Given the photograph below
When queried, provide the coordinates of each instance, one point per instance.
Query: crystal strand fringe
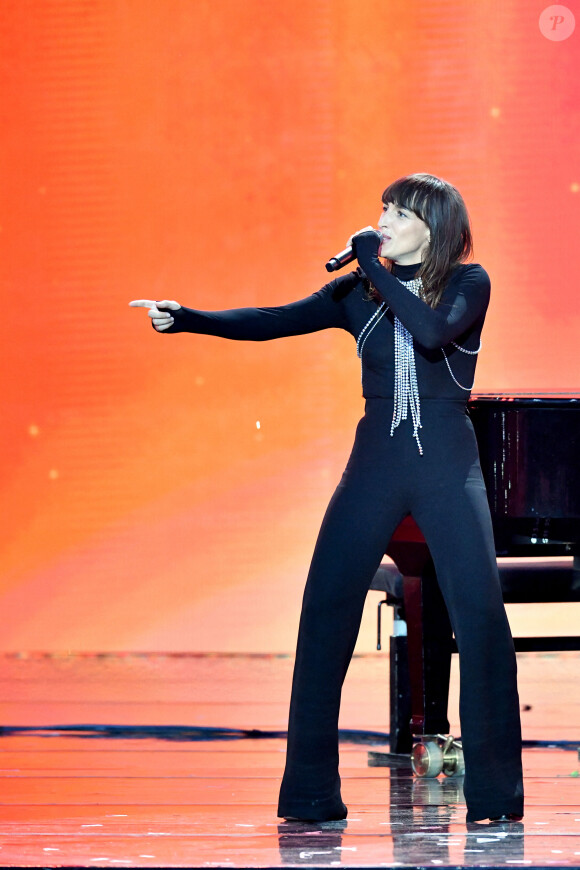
(406, 394)
(406, 387)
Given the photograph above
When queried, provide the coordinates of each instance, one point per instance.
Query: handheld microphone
(348, 255)
(341, 259)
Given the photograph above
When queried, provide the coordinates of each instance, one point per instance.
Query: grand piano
(530, 457)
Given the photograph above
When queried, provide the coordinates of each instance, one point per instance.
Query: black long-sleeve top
(344, 303)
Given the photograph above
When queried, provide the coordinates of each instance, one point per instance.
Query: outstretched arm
(431, 327)
(321, 310)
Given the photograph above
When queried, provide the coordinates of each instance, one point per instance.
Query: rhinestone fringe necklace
(406, 387)
(406, 393)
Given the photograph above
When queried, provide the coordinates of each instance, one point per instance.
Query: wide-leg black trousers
(385, 479)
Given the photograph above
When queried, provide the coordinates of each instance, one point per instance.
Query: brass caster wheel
(427, 758)
(453, 762)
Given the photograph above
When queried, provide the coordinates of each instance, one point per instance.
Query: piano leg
(420, 663)
(401, 739)
(437, 643)
(414, 613)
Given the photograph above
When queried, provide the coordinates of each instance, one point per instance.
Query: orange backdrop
(216, 153)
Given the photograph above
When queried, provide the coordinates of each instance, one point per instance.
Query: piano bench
(522, 582)
(432, 644)
(389, 580)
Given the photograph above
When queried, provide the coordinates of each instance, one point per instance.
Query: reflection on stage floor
(175, 761)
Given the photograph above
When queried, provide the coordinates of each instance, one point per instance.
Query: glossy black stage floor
(136, 761)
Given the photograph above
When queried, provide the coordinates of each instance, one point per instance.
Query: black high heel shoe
(507, 817)
(310, 815)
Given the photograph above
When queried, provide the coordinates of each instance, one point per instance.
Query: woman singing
(417, 322)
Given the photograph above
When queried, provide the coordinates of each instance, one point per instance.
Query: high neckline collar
(405, 273)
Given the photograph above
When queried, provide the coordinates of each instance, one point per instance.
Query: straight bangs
(407, 193)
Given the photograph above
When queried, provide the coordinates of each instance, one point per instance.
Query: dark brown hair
(440, 205)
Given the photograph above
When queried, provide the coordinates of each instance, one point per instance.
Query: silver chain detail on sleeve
(463, 350)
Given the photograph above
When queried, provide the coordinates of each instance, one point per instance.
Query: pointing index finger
(143, 303)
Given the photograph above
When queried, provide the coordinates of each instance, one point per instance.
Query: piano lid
(521, 398)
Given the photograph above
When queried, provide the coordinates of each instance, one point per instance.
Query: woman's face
(406, 235)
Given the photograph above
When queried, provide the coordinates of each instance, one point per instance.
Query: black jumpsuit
(386, 478)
